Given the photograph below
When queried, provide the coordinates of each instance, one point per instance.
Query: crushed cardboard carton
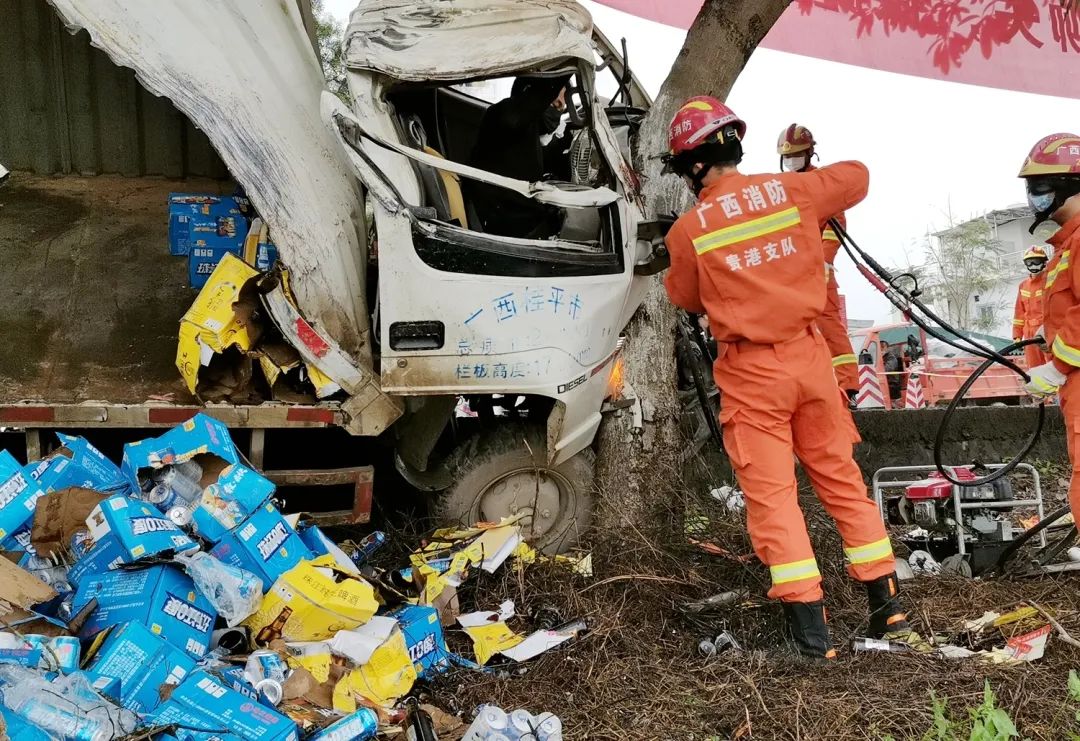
(203, 702)
(222, 317)
(311, 602)
(59, 516)
(163, 598)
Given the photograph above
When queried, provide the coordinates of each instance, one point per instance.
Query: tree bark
(631, 470)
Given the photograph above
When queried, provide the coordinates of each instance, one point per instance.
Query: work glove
(1045, 380)
(1039, 336)
(852, 399)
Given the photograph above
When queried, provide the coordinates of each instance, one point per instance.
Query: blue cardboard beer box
(204, 701)
(236, 495)
(320, 545)
(204, 259)
(19, 494)
(20, 541)
(231, 491)
(105, 555)
(233, 677)
(139, 528)
(78, 463)
(264, 544)
(162, 598)
(142, 661)
(424, 638)
(202, 439)
(186, 209)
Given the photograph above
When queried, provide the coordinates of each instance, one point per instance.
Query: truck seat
(442, 188)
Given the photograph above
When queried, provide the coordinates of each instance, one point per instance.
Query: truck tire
(495, 475)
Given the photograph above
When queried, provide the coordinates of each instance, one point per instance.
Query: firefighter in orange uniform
(796, 148)
(1052, 176)
(749, 255)
(1028, 315)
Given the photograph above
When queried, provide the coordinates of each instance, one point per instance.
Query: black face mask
(1035, 266)
(552, 119)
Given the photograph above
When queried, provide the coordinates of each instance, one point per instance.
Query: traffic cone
(870, 396)
(913, 396)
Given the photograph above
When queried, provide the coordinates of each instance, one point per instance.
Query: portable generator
(965, 528)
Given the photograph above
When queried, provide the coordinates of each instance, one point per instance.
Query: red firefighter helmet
(793, 139)
(1057, 154)
(700, 120)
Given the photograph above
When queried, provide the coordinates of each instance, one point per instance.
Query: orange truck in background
(941, 368)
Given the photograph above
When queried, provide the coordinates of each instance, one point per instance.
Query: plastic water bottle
(490, 721)
(549, 727)
(234, 592)
(521, 725)
(58, 721)
(185, 488)
(189, 470)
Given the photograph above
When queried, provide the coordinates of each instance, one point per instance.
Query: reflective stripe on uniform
(759, 227)
(875, 551)
(1038, 292)
(1062, 265)
(794, 571)
(844, 359)
(1067, 353)
(1018, 322)
(829, 235)
(1025, 294)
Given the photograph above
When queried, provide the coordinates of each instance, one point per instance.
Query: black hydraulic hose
(906, 302)
(939, 441)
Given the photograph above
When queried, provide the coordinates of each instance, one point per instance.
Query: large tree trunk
(631, 470)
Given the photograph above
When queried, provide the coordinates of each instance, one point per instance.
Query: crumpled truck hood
(463, 39)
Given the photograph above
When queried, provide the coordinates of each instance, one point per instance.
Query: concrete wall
(986, 434)
(65, 108)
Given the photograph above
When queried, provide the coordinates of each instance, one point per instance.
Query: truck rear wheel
(504, 472)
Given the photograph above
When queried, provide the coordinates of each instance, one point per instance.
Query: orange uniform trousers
(776, 399)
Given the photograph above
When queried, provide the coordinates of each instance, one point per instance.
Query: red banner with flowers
(1027, 45)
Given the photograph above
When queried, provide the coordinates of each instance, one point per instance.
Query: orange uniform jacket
(1028, 315)
(773, 285)
(750, 256)
(1061, 329)
(1061, 325)
(831, 323)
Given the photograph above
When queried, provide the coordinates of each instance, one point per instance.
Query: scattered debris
(202, 606)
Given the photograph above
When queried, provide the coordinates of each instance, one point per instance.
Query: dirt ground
(638, 673)
(90, 300)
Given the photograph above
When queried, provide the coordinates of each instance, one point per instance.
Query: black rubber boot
(807, 630)
(886, 617)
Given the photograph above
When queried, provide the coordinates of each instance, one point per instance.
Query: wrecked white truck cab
(439, 297)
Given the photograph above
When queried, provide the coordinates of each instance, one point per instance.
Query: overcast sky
(929, 144)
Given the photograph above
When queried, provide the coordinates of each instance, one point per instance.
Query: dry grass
(638, 674)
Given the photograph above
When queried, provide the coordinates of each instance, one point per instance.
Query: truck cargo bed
(90, 299)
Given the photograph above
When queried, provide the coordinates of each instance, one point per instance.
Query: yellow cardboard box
(311, 602)
(219, 318)
(387, 676)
